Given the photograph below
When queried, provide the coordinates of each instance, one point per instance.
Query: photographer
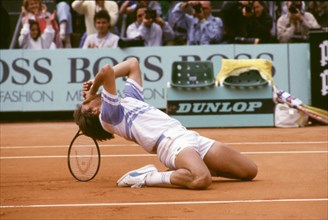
(295, 25)
(202, 27)
(255, 23)
(149, 30)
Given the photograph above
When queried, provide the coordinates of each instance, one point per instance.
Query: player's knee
(250, 173)
(201, 181)
(107, 68)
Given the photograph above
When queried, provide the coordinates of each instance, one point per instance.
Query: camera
(246, 40)
(151, 14)
(293, 9)
(128, 42)
(197, 8)
(249, 8)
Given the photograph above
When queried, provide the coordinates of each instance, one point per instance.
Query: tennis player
(192, 159)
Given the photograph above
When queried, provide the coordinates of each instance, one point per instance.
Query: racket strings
(84, 158)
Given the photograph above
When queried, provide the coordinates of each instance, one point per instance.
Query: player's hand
(89, 96)
(86, 87)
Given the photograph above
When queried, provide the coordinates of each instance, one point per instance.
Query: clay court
(292, 182)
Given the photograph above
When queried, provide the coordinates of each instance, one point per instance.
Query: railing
(16, 33)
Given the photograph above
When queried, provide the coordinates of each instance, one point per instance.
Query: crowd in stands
(125, 23)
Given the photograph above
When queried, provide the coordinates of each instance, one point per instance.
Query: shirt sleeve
(112, 112)
(133, 90)
(24, 36)
(212, 31)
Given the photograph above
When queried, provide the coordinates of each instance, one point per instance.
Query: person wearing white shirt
(192, 159)
(31, 36)
(90, 8)
(146, 28)
(103, 38)
(133, 30)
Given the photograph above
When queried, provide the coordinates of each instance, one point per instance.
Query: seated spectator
(129, 7)
(178, 23)
(233, 20)
(89, 9)
(257, 24)
(319, 9)
(64, 18)
(146, 26)
(150, 31)
(284, 7)
(133, 30)
(103, 38)
(37, 11)
(31, 36)
(168, 33)
(203, 28)
(295, 25)
(212, 30)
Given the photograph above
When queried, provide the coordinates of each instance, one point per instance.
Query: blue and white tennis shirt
(132, 118)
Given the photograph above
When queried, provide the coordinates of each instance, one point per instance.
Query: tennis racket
(315, 113)
(83, 157)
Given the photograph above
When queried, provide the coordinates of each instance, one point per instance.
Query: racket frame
(79, 133)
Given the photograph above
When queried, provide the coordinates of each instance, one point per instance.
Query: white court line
(154, 155)
(134, 145)
(165, 203)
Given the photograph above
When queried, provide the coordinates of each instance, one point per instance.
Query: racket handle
(288, 98)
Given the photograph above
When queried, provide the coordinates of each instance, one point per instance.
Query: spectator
(168, 33)
(233, 19)
(319, 9)
(128, 11)
(103, 38)
(179, 23)
(203, 28)
(5, 30)
(257, 24)
(126, 16)
(131, 6)
(285, 7)
(64, 18)
(150, 31)
(133, 31)
(295, 25)
(36, 10)
(31, 36)
(89, 9)
(142, 28)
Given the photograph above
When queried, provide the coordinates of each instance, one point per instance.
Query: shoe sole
(137, 170)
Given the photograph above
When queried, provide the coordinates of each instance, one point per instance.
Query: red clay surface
(35, 182)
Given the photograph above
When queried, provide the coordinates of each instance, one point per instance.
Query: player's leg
(191, 171)
(227, 162)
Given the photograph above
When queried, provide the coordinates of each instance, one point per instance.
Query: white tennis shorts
(177, 139)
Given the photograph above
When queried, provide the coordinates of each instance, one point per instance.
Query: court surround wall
(50, 80)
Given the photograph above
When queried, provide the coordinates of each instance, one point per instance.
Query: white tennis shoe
(136, 178)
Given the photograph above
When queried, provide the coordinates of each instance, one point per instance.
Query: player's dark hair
(90, 124)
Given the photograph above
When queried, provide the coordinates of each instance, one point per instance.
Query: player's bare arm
(107, 75)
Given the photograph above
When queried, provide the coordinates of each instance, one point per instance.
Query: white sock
(157, 178)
